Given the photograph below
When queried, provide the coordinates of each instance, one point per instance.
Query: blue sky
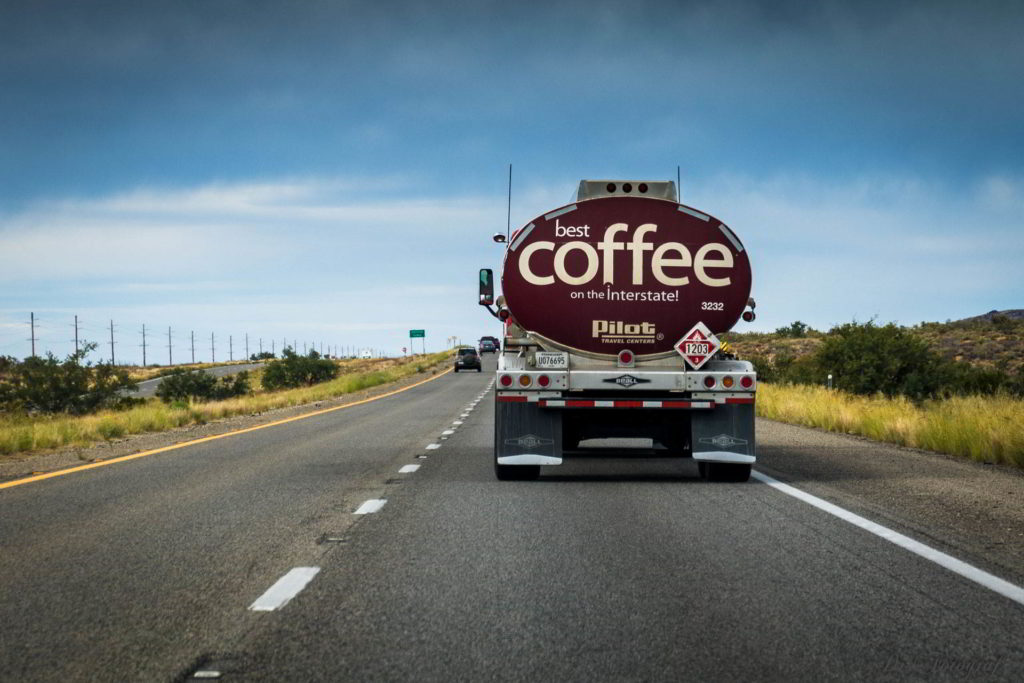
(331, 172)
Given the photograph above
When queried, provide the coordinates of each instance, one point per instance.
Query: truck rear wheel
(516, 472)
(723, 471)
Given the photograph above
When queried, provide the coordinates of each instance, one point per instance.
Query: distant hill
(1012, 314)
(994, 339)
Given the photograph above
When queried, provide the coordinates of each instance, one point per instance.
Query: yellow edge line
(185, 444)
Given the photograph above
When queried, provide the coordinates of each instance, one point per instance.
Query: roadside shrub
(49, 385)
(294, 370)
(865, 358)
(795, 329)
(263, 355)
(181, 386)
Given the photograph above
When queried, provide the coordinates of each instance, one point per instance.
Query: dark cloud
(99, 95)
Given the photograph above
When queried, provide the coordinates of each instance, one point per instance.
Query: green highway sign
(417, 333)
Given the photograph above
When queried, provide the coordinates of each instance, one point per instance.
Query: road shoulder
(968, 509)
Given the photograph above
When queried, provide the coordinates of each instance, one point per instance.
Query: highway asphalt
(612, 568)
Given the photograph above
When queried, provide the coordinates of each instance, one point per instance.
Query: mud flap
(724, 434)
(526, 434)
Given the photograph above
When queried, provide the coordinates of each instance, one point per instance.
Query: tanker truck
(611, 306)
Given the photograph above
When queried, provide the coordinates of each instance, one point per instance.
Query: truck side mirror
(486, 287)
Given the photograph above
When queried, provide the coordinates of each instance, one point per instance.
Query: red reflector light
(625, 357)
(747, 382)
(543, 380)
(524, 380)
(727, 382)
(506, 380)
(709, 381)
(504, 314)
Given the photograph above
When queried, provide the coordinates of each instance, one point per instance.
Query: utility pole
(321, 348)
(76, 335)
(193, 347)
(261, 346)
(247, 346)
(169, 361)
(143, 344)
(231, 349)
(213, 350)
(32, 325)
(111, 342)
(273, 351)
(303, 348)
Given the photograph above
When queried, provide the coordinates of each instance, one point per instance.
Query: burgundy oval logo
(606, 274)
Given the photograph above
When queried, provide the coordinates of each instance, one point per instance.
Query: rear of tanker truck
(612, 306)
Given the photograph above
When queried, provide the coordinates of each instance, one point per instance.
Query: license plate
(551, 360)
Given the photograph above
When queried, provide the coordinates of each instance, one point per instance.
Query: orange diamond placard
(698, 345)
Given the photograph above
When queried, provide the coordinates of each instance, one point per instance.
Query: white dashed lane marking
(370, 506)
(408, 469)
(286, 588)
(433, 446)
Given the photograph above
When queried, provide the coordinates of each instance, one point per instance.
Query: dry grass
(983, 428)
(19, 434)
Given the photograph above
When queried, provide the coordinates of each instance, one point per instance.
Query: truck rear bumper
(529, 459)
(724, 456)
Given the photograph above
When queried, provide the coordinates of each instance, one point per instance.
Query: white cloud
(899, 248)
(223, 230)
(346, 262)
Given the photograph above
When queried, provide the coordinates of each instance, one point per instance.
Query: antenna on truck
(679, 194)
(508, 216)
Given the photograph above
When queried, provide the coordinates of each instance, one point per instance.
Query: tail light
(506, 380)
(727, 382)
(709, 382)
(747, 382)
(504, 314)
(524, 380)
(543, 380)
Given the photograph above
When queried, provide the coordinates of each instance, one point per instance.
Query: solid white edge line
(370, 506)
(284, 589)
(967, 571)
(408, 469)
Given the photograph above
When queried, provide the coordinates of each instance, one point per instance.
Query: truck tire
(723, 471)
(479, 369)
(516, 472)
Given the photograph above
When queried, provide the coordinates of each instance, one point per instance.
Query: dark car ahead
(467, 359)
(494, 341)
(486, 346)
